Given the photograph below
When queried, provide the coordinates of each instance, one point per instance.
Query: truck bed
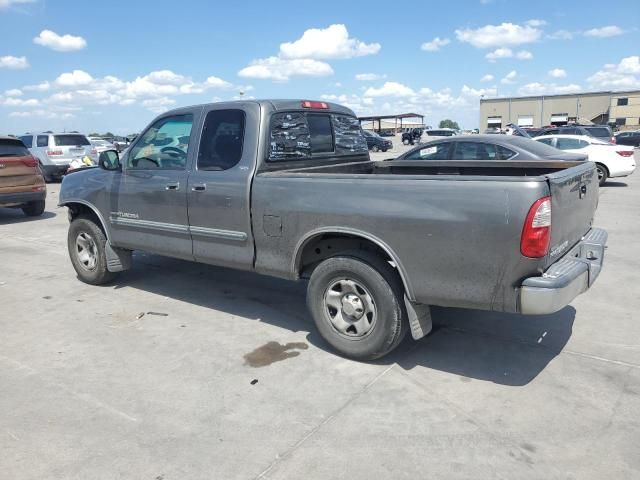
(416, 168)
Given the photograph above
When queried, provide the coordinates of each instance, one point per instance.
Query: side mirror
(109, 160)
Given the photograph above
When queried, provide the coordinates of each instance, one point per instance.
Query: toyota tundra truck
(286, 188)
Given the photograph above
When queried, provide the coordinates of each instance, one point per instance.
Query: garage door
(525, 121)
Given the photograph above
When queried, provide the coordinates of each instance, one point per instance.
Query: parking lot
(186, 371)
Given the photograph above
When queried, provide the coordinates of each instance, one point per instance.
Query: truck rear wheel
(86, 243)
(356, 300)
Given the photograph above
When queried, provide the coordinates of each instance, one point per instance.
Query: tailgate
(574, 198)
(14, 173)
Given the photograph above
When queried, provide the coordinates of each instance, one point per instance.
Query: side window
(27, 140)
(222, 138)
(439, 151)
(570, 131)
(568, 144)
(348, 135)
(546, 141)
(504, 153)
(583, 144)
(43, 140)
(474, 151)
(165, 145)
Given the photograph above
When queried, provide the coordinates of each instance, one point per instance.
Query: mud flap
(419, 318)
(118, 259)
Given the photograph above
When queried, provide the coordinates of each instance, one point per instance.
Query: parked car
(601, 132)
(411, 136)
(376, 143)
(55, 151)
(628, 138)
(486, 148)
(286, 188)
(611, 160)
(101, 145)
(440, 132)
(493, 131)
(21, 182)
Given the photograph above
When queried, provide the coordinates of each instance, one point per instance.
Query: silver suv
(55, 151)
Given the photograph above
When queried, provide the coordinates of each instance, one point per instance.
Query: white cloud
(368, 77)
(74, 79)
(14, 92)
(537, 88)
(327, 43)
(536, 22)
(48, 114)
(487, 78)
(524, 55)
(509, 78)
(389, 89)
(40, 87)
(479, 92)
(5, 4)
(60, 43)
(503, 35)
(19, 102)
(560, 35)
(498, 54)
(158, 105)
(279, 69)
(625, 74)
(13, 63)
(604, 32)
(557, 73)
(435, 44)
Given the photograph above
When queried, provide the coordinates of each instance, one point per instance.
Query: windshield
(13, 148)
(599, 131)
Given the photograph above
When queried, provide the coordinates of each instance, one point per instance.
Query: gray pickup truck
(286, 188)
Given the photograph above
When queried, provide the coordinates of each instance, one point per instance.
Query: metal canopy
(378, 118)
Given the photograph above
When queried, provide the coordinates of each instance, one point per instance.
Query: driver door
(149, 206)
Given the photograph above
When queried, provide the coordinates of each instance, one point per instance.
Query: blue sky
(114, 66)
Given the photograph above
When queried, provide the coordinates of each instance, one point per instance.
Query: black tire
(93, 273)
(375, 148)
(47, 178)
(405, 141)
(381, 283)
(34, 209)
(384, 150)
(603, 173)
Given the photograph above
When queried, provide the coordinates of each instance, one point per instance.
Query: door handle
(172, 186)
(199, 187)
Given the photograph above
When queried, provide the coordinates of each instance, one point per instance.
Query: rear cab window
(306, 135)
(70, 140)
(13, 148)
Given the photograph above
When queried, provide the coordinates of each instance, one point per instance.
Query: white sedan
(611, 160)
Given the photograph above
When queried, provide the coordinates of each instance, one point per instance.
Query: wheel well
(603, 166)
(327, 245)
(80, 209)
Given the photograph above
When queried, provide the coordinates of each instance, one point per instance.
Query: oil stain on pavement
(272, 352)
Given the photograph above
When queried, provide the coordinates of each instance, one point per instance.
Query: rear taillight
(625, 153)
(311, 104)
(53, 153)
(536, 233)
(30, 162)
(94, 151)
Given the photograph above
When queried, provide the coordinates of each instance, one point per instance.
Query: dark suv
(601, 132)
(411, 136)
(376, 143)
(628, 138)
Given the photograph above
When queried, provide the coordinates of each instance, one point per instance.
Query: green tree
(446, 123)
(94, 134)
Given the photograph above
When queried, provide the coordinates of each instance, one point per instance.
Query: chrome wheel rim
(350, 308)
(600, 172)
(86, 251)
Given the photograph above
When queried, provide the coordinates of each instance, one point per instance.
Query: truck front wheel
(356, 300)
(86, 243)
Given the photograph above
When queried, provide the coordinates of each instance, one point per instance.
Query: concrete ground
(184, 371)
